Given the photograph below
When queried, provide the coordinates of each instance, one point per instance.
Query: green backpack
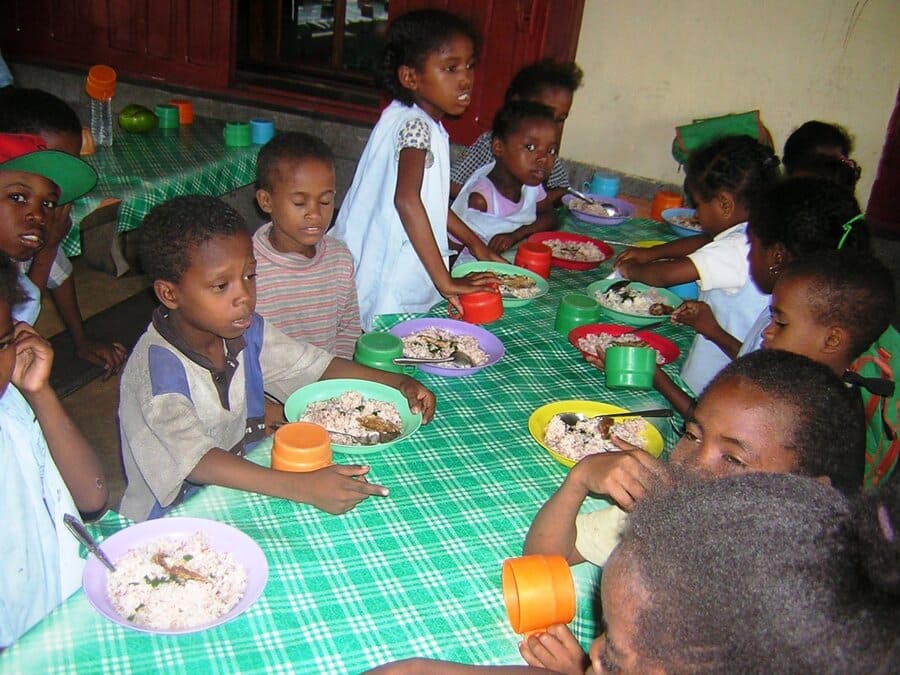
(698, 133)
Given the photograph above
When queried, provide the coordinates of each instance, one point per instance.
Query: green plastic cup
(236, 134)
(630, 367)
(378, 350)
(168, 116)
(576, 309)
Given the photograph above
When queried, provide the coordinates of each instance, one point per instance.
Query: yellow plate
(540, 418)
(648, 243)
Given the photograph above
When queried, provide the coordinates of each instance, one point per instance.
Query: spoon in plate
(82, 535)
(612, 211)
(571, 419)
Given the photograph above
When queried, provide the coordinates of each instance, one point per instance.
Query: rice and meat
(598, 343)
(518, 285)
(639, 303)
(578, 251)
(437, 343)
(175, 583)
(591, 436)
(687, 222)
(589, 208)
(352, 413)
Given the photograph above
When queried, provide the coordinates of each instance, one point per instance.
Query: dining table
(415, 573)
(141, 170)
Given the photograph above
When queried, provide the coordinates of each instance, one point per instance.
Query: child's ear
(836, 340)
(407, 77)
(264, 199)
(167, 292)
(497, 147)
(726, 203)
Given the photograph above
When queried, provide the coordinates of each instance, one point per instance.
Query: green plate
(599, 288)
(296, 405)
(500, 268)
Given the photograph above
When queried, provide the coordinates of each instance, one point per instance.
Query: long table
(415, 573)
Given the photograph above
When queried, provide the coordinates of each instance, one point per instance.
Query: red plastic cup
(185, 110)
(662, 200)
(301, 447)
(479, 307)
(536, 257)
(538, 591)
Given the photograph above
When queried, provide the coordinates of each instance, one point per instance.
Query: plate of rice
(524, 284)
(568, 446)
(596, 338)
(636, 304)
(682, 221)
(348, 405)
(574, 251)
(434, 338)
(593, 213)
(176, 575)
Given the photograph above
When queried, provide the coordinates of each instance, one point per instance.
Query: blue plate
(671, 216)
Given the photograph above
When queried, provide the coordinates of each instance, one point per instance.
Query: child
(48, 470)
(395, 218)
(546, 82)
(304, 282)
(192, 394)
(767, 411)
(32, 111)
(821, 149)
(499, 201)
(723, 179)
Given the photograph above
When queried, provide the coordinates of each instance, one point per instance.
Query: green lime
(137, 119)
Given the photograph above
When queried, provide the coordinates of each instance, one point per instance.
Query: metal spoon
(82, 535)
(571, 419)
(612, 211)
(457, 358)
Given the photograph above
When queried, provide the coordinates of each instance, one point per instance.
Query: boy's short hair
(850, 289)
(32, 111)
(545, 74)
(293, 146)
(514, 113)
(829, 430)
(171, 232)
(10, 289)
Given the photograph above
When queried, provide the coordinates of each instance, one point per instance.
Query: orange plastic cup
(536, 257)
(662, 200)
(479, 307)
(185, 110)
(538, 591)
(300, 447)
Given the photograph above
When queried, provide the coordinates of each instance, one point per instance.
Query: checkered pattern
(144, 170)
(416, 573)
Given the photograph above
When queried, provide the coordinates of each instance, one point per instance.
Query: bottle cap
(101, 83)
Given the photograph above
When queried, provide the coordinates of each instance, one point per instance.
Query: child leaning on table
(47, 468)
(37, 112)
(395, 218)
(192, 393)
(304, 282)
(499, 201)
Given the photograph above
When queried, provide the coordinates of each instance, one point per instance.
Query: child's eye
(300, 204)
(325, 202)
(251, 276)
(553, 151)
(529, 147)
(5, 344)
(691, 436)
(736, 461)
(49, 204)
(220, 287)
(18, 197)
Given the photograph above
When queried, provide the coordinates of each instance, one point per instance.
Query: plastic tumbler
(576, 309)
(185, 110)
(535, 257)
(300, 447)
(662, 200)
(261, 131)
(538, 591)
(603, 185)
(168, 116)
(629, 367)
(237, 134)
(479, 307)
(378, 350)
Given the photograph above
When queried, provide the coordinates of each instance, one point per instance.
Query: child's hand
(502, 242)
(624, 476)
(109, 356)
(57, 225)
(474, 281)
(556, 650)
(34, 357)
(698, 315)
(635, 255)
(420, 398)
(337, 488)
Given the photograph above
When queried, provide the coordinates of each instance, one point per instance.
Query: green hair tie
(848, 227)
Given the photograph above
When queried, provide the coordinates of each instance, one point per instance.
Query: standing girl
(395, 218)
(723, 179)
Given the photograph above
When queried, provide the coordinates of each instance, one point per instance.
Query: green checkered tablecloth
(144, 170)
(415, 573)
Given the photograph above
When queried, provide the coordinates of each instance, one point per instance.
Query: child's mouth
(243, 324)
(464, 98)
(32, 240)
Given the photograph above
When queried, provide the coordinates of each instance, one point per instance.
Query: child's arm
(681, 402)
(659, 273)
(545, 221)
(77, 463)
(699, 316)
(673, 249)
(419, 666)
(472, 241)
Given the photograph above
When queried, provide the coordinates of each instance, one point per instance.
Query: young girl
(723, 179)
(499, 201)
(395, 217)
(546, 82)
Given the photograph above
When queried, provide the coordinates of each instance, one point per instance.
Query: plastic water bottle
(100, 87)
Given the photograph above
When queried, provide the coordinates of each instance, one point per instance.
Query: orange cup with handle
(662, 200)
(301, 447)
(538, 591)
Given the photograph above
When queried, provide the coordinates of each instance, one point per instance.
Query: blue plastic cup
(261, 131)
(603, 185)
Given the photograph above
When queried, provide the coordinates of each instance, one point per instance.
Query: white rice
(598, 343)
(687, 222)
(579, 251)
(585, 439)
(518, 285)
(589, 208)
(343, 414)
(630, 301)
(145, 593)
(437, 343)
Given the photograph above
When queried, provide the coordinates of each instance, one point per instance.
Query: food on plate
(598, 343)
(590, 208)
(437, 343)
(631, 301)
(579, 251)
(175, 583)
(518, 285)
(352, 413)
(592, 436)
(687, 222)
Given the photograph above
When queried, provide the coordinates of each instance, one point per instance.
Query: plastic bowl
(580, 265)
(501, 268)
(626, 209)
(489, 342)
(669, 215)
(599, 288)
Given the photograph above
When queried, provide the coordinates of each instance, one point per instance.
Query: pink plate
(666, 348)
(605, 249)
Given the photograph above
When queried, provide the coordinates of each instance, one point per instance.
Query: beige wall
(653, 64)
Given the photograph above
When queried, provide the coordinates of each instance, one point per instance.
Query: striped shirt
(310, 299)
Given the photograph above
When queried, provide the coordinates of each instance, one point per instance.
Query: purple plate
(489, 342)
(221, 537)
(625, 208)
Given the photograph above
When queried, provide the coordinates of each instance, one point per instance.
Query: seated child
(192, 392)
(304, 282)
(546, 82)
(767, 411)
(723, 180)
(499, 201)
(48, 470)
(821, 149)
(32, 111)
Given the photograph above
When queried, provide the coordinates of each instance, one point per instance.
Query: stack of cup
(301, 447)
(535, 257)
(538, 591)
(576, 309)
(378, 350)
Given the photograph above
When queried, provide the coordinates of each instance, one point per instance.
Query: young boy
(304, 282)
(32, 111)
(47, 469)
(192, 392)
